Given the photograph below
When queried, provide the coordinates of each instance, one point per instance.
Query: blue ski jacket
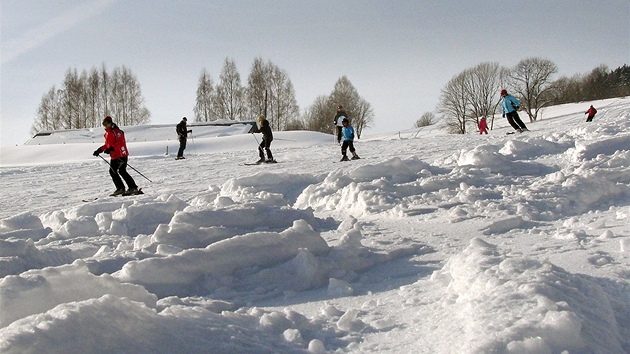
(509, 104)
(348, 133)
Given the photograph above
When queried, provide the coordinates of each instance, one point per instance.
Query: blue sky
(398, 54)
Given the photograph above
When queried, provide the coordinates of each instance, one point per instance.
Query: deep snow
(431, 243)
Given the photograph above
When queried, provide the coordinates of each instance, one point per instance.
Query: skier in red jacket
(116, 146)
(483, 126)
(591, 113)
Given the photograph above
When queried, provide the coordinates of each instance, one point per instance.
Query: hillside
(430, 243)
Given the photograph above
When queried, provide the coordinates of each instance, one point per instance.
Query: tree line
(85, 99)
(474, 93)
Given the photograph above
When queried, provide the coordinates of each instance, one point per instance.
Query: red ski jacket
(591, 111)
(483, 125)
(115, 138)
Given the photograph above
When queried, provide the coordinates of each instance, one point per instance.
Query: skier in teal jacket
(509, 107)
(348, 140)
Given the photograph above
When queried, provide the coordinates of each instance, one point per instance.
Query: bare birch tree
(531, 80)
(229, 98)
(49, 112)
(204, 111)
(345, 94)
(317, 117)
(483, 84)
(453, 104)
(364, 116)
(282, 103)
(257, 86)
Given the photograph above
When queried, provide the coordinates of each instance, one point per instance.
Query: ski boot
(344, 158)
(118, 192)
(355, 157)
(130, 191)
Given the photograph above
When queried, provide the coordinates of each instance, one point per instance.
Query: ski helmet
(107, 120)
(345, 120)
(503, 92)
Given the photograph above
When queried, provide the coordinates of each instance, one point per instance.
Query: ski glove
(109, 149)
(190, 131)
(97, 152)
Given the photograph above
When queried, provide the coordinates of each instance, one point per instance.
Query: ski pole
(139, 172)
(193, 141)
(256, 139)
(110, 167)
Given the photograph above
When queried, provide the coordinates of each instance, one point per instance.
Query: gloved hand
(190, 130)
(503, 115)
(97, 152)
(109, 150)
(517, 107)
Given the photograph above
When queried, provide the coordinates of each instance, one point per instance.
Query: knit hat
(503, 92)
(107, 120)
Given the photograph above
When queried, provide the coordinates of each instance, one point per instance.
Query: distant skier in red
(116, 146)
(483, 126)
(591, 113)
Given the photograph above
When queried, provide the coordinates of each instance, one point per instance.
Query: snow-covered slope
(431, 243)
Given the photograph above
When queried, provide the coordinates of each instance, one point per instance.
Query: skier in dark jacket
(339, 116)
(116, 146)
(182, 135)
(591, 113)
(510, 106)
(265, 144)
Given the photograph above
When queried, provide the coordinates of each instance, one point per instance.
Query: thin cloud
(35, 37)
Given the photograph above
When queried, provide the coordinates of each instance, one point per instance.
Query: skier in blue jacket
(348, 140)
(509, 107)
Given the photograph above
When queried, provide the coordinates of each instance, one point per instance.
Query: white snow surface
(431, 243)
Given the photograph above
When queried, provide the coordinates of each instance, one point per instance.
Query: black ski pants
(265, 147)
(118, 169)
(515, 121)
(345, 145)
(182, 146)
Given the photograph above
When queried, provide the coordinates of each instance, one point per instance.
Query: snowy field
(431, 243)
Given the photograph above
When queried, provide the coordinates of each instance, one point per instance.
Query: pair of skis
(138, 192)
(260, 163)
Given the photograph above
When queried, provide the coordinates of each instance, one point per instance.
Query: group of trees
(83, 100)
(598, 84)
(320, 115)
(474, 93)
(269, 92)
